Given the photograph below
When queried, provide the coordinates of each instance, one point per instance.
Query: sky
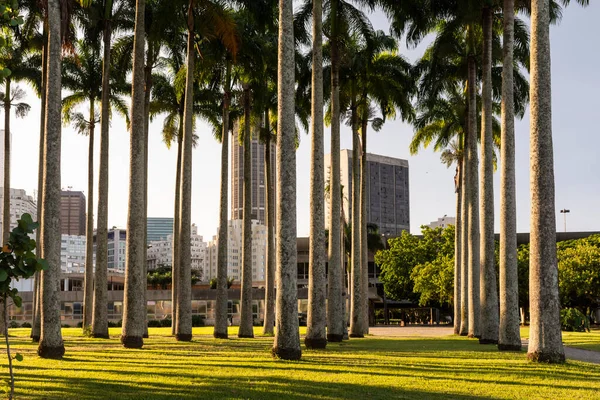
(576, 135)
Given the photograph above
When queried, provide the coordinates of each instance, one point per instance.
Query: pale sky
(576, 147)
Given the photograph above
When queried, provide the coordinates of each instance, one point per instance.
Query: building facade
(20, 203)
(158, 228)
(388, 200)
(257, 179)
(117, 239)
(72, 254)
(442, 222)
(234, 252)
(72, 213)
(160, 252)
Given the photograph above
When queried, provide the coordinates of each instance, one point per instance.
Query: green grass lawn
(581, 340)
(370, 368)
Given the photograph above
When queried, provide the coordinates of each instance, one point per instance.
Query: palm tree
(83, 76)
(509, 335)
(134, 309)
(51, 343)
(287, 337)
(316, 319)
(545, 340)
(454, 154)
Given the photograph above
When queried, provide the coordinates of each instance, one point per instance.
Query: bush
(80, 324)
(197, 320)
(571, 319)
(165, 323)
(66, 326)
(13, 324)
(153, 323)
(114, 324)
(25, 325)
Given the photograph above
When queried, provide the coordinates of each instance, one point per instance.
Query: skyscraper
(257, 179)
(388, 204)
(20, 203)
(72, 213)
(158, 228)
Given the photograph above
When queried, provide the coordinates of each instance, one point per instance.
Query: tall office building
(234, 252)
(72, 213)
(388, 204)
(117, 240)
(160, 252)
(258, 176)
(158, 228)
(20, 203)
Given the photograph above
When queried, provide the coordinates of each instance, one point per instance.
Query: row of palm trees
(225, 72)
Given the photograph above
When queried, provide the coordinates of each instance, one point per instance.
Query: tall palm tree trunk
(88, 278)
(183, 329)
(335, 296)
(287, 337)
(176, 224)
(316, 337)
(509, 333)
(473, 206)
(100, 315)
(220, 331)
(488, 287)
(51, 343)
(269, 320)
(464, 239)
(246, 330)
(36, 324)
(356, 317)
(147, 92)
(458, 251)
(545, 338)
(6, 185)
(6, 202)
(364, 252)
(134, 309)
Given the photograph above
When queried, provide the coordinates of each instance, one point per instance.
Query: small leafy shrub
(112, 324)
(573, 320)
(25, 325)
(13, 324)
(165, 323)
(153, 323)
(197, 320)
(80, 324)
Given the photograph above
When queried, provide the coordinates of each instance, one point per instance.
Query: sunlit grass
(581, 340)
(370, 368)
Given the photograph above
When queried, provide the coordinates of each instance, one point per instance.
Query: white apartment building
(160, 252)
(234, 252)
(20, 203)
(72, 254)
(443, 222)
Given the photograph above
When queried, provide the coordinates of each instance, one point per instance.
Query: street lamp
(564, 211)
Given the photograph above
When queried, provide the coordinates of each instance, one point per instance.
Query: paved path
(571, 353)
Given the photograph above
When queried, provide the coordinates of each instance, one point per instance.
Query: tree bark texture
(458, 251)
(6, 183)
(246, 329)
(316, 336)
(473, 207)
(287, 337)
(269, 321)
(488, 287)
(51, 342)
(134, 307)
(545, 337)
(356, 317)
(509, 337)
(176, 224)
(100, 315)
(88, 278)
(221, 324)
(37, 320)
(183, 329)
(464, 243)
(364, 247)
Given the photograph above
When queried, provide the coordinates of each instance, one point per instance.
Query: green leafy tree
(17, 261)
